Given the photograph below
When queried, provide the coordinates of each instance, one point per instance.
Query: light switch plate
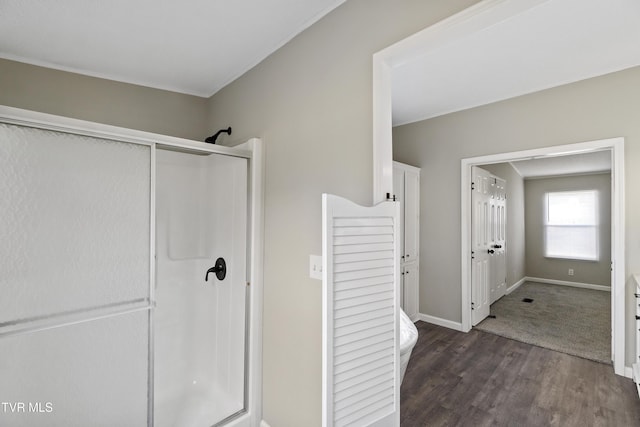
(315, 267)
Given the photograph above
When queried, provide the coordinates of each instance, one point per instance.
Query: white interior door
(360, 350)
(480, 242)
(499, 258)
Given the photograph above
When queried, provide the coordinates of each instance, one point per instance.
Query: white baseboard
(567, 283)
(515, 286)
(263, 423)
(628, 372)
(440, 322)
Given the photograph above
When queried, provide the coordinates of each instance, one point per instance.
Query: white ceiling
(599, 161)
(199, 46)
(189, 46)
(557, 42)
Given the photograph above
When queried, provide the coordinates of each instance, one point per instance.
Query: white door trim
(616, 145)
(468, 21)
(471, 20)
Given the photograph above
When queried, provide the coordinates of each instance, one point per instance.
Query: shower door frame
(253, 151)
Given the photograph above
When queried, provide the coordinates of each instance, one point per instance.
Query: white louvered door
(361, 381)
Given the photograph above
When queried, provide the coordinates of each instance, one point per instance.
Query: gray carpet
(570, 320)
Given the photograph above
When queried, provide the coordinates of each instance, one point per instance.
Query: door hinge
(473, 306)
(472, 255)
(472, 185)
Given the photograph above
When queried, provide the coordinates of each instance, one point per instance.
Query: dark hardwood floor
(480, 379)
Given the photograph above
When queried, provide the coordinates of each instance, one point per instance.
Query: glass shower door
(200, 326)
(74, 279)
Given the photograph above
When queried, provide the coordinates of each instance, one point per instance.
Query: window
(571, 226)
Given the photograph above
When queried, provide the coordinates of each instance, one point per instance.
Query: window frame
(595, 226)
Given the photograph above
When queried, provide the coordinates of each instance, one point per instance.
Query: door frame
(456, 27)
(473, 19)
(616, 146)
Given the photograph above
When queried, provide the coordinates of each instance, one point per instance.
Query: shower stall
(130, 269)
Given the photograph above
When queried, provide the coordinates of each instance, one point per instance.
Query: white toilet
(408, 339)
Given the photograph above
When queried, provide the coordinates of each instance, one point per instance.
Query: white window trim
(595, 226)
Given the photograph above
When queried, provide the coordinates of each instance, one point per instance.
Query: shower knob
(220, 270)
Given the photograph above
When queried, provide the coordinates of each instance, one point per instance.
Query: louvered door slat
(362, 326)
(354, 364)
(360, 318)
(363, 265)
(362, 256)
(363, 274)
(363, 241)
(371, 247)
(364, 290)
(363, 231)
(357, 355)
(381, 363)
(369, 308)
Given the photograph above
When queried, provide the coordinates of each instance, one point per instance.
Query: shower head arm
(212, 138)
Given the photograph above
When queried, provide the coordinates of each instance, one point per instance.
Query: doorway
(474, 21)
(558, 263)
(616, 147)
(488, 245)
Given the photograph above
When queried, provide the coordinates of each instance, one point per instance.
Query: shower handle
(220, 270)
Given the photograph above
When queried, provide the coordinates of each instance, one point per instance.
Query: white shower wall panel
(201, 205)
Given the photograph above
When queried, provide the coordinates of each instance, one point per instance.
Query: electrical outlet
(571, 272)
(315, 267)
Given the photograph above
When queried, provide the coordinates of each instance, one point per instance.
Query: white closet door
(361, 381)
(411, 216)
(480, 242)
(410, 280)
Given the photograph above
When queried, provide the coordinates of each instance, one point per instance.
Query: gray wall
(311, 102)
(515, 221)
(103, 101)
(592, 109)
(597, 273)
